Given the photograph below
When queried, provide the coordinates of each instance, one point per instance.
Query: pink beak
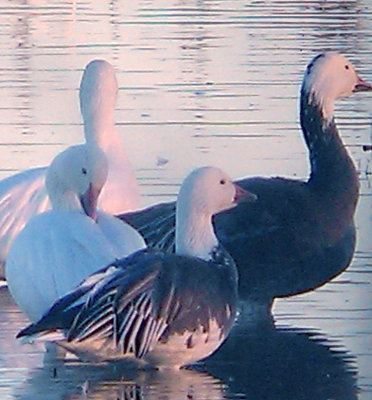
(89, 201)
(243, 195)
(362, 86)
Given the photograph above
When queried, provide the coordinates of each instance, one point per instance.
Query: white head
(98, 90)
(328, 77)
(76, 177)
(205, 191)
(208, 191)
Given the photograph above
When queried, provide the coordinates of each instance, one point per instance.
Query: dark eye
(222, 181)
(347, 67)
(84, 171)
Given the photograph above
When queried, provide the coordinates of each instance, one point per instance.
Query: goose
(57, 249)
(298, 234)
(158, 309)
(23, 195)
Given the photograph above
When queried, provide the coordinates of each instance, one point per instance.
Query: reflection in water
(265, 362)
(57, 381)
(257, 362)
(216, 81)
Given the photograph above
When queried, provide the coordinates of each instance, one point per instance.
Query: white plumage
(59, 248)
(23, 195)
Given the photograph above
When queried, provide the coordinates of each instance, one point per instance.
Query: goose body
(23, 195)
(57, 249)
(157, 309)
(298, 234)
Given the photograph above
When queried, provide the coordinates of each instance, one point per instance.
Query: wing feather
(149, 331)
(97, 321)
(139, 304)
(121, 310)
(22, 196)
(156, 224)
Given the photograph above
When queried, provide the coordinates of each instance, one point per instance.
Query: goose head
(75, 179)
(209, 190)
(328, 77)
(205, 192)
(98, 92)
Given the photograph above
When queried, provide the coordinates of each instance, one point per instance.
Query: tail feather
(48, 323)
(27, 335)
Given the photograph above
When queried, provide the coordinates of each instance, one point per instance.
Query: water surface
(201, 82)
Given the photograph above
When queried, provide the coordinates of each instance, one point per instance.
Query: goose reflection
(283, 363)
(61, 380)
(258, 361)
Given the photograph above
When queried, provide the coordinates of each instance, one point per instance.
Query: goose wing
(149, 296)
(156, 224)
(21, 196)
(61, 315)
(114, 304)
(120, 310)
(152, 296)
(279, 203)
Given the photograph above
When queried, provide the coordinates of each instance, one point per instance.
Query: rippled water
(201, 82)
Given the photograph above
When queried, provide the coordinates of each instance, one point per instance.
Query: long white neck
(120, 193)
(97, 95)
(99, 128)
(194, 232)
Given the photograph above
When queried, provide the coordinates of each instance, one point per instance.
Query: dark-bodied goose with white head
(298, 234)
(164, 310)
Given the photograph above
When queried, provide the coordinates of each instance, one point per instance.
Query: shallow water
(201, 82)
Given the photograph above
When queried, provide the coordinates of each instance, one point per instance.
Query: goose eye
(347, 67)
(222, 181)
(84, 171)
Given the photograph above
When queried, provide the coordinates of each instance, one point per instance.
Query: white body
(23, 195)
(57, 250)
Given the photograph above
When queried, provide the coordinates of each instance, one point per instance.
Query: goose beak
(89, 200)
(362, 86)
(243, 195)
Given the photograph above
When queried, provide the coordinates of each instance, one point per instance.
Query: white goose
(165, 310)
(23, 195)
(57, 249)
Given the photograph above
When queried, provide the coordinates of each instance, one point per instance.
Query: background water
(201, 82)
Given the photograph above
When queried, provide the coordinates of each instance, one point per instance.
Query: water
(201, 82)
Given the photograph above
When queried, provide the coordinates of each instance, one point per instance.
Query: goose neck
(195, 236)
(329, 159)
(99, 129)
